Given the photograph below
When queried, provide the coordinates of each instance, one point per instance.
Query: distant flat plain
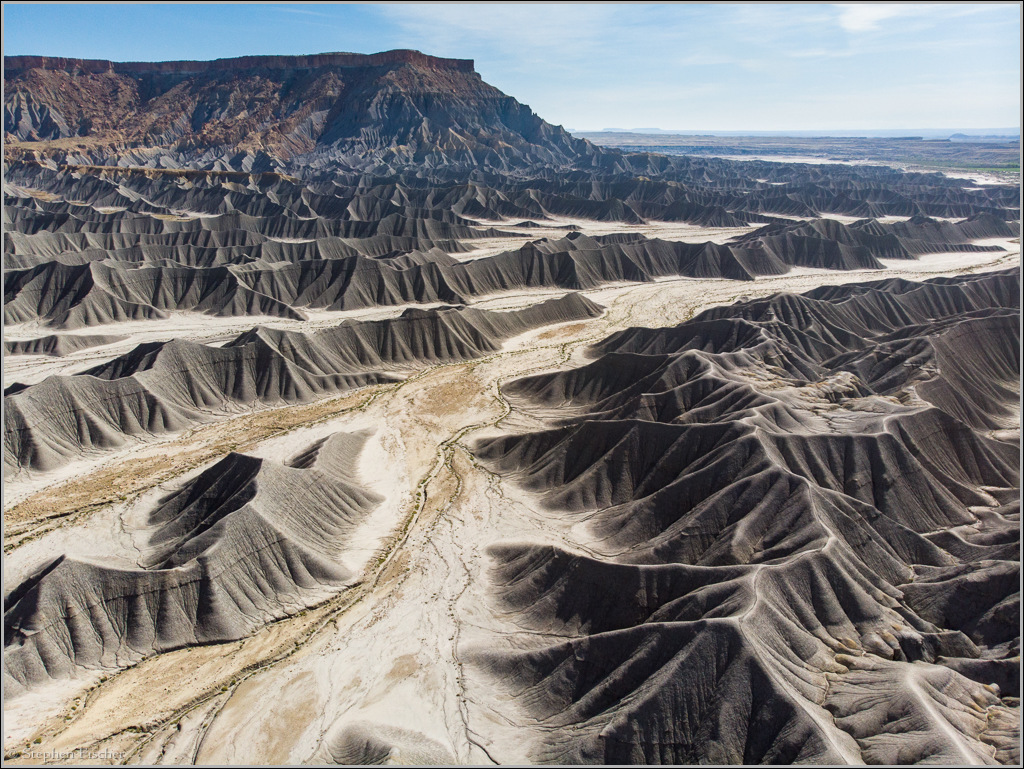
(998, 157)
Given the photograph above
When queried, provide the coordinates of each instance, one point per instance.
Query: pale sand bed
(391, 650)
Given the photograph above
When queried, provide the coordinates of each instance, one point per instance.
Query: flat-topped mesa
(312, 61)
(306, 114)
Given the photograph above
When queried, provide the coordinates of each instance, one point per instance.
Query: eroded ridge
(162, 387)
(79, 265)
(244, 543)
(801, 521)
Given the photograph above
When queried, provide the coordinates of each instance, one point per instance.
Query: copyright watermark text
(77, 754)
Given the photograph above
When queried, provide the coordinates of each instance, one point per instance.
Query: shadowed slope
(804, 535)
(246, 542)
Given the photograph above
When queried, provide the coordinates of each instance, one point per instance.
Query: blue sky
(673, 66)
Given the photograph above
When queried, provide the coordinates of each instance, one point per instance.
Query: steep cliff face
(259, 113)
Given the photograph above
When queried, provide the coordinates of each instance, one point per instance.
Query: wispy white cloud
(515, 29)
(867, 17)
(871, 17)
(301, 11)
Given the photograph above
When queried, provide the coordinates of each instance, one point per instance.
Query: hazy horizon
(894, 133)
(744, 68)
